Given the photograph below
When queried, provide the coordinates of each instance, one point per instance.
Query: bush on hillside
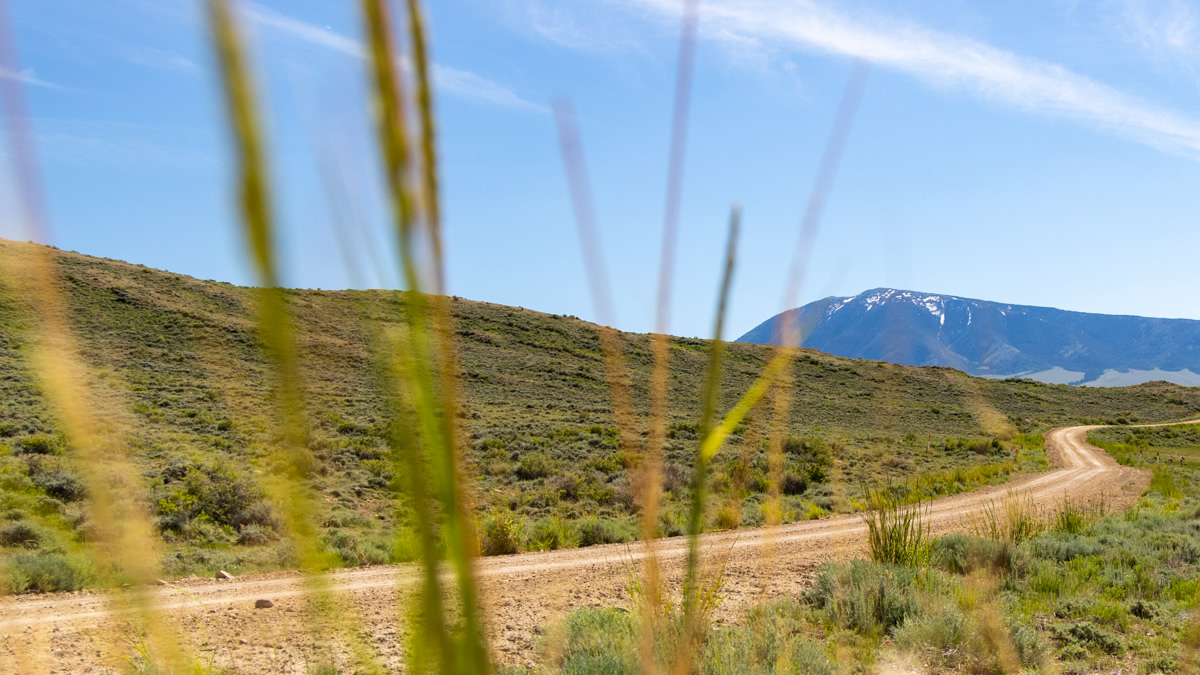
(24, 534)
(47, 573)
(55, 480)
(189, 496)
(39, 445)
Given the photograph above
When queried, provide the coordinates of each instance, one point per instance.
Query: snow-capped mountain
(993, 339)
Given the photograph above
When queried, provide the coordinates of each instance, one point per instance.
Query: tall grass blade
(617, 376)
(660, 348)
(615, 372)
(292, 463)
(427, 369)
(791, 338)
(808, 231)
(126, 542)
(712, 387)
(274, 322)
(429, 175)
(455, 497)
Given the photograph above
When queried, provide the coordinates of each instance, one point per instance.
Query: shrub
(1030, 645)
(550, 534)
(57, 482)
(354, 551)
(794, 484)
(962, 554)
(771, 636)
(1063, 547)
(729, 517)
(599, 641)
(940, 631)
(48, 573)
(213, 492)
(817, 473)
(501, 535)
(595, 531)
(865, 596)
(39, 445)
(671, 523)
(1088, 635)
(532, 467)
(810, 450)
(676, 479)
(7, 429)
(24, 534)
(256, 535)
(568, 486)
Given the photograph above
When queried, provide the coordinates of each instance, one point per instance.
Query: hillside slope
(994, 339)
(177, 364)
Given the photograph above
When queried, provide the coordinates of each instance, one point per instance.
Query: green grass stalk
(292, 462)
(691, 593)
(430, 372)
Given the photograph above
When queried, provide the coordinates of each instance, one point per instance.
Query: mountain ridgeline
(178, 373)
(992, 339)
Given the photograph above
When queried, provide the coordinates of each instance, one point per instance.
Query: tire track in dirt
(84, 632)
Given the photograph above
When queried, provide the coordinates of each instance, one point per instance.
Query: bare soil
(216, 620)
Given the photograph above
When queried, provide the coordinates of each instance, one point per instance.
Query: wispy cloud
(27, 77)
(1167, 30)
(461, 83)
(558, 22)
(1163, 24)
(313, 34)
(160, 59)
(943, 60)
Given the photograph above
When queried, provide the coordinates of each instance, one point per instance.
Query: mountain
(993, 339)
(178, 374)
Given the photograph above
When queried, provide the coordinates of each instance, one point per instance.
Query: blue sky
(1040, 152)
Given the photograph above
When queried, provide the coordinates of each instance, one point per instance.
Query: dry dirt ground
(216, 620)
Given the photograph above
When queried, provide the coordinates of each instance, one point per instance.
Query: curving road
(90, 631)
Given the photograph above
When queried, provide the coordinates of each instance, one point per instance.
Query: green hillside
(177, 367)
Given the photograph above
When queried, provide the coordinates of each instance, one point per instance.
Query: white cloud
(1162, 26)
(304, 31)
(160, 59)
(469, 85)
(27, 77)
(461, 83)
(944, 60)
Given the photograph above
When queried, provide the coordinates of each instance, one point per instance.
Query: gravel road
(216, 620)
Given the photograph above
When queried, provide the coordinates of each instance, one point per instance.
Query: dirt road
(216, 620)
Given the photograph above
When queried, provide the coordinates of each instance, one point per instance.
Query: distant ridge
(993, 339)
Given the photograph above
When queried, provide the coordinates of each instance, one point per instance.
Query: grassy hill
(176, 366)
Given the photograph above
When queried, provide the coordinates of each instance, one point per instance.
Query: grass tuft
(898, 534)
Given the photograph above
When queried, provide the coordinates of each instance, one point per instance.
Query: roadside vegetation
(1079, 590)
(154, 425)
(180, 362)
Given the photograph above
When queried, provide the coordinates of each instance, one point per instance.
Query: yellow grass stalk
(428, 371)
(615, 372)
(660, 348)
(292, 462)
(126, 542)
